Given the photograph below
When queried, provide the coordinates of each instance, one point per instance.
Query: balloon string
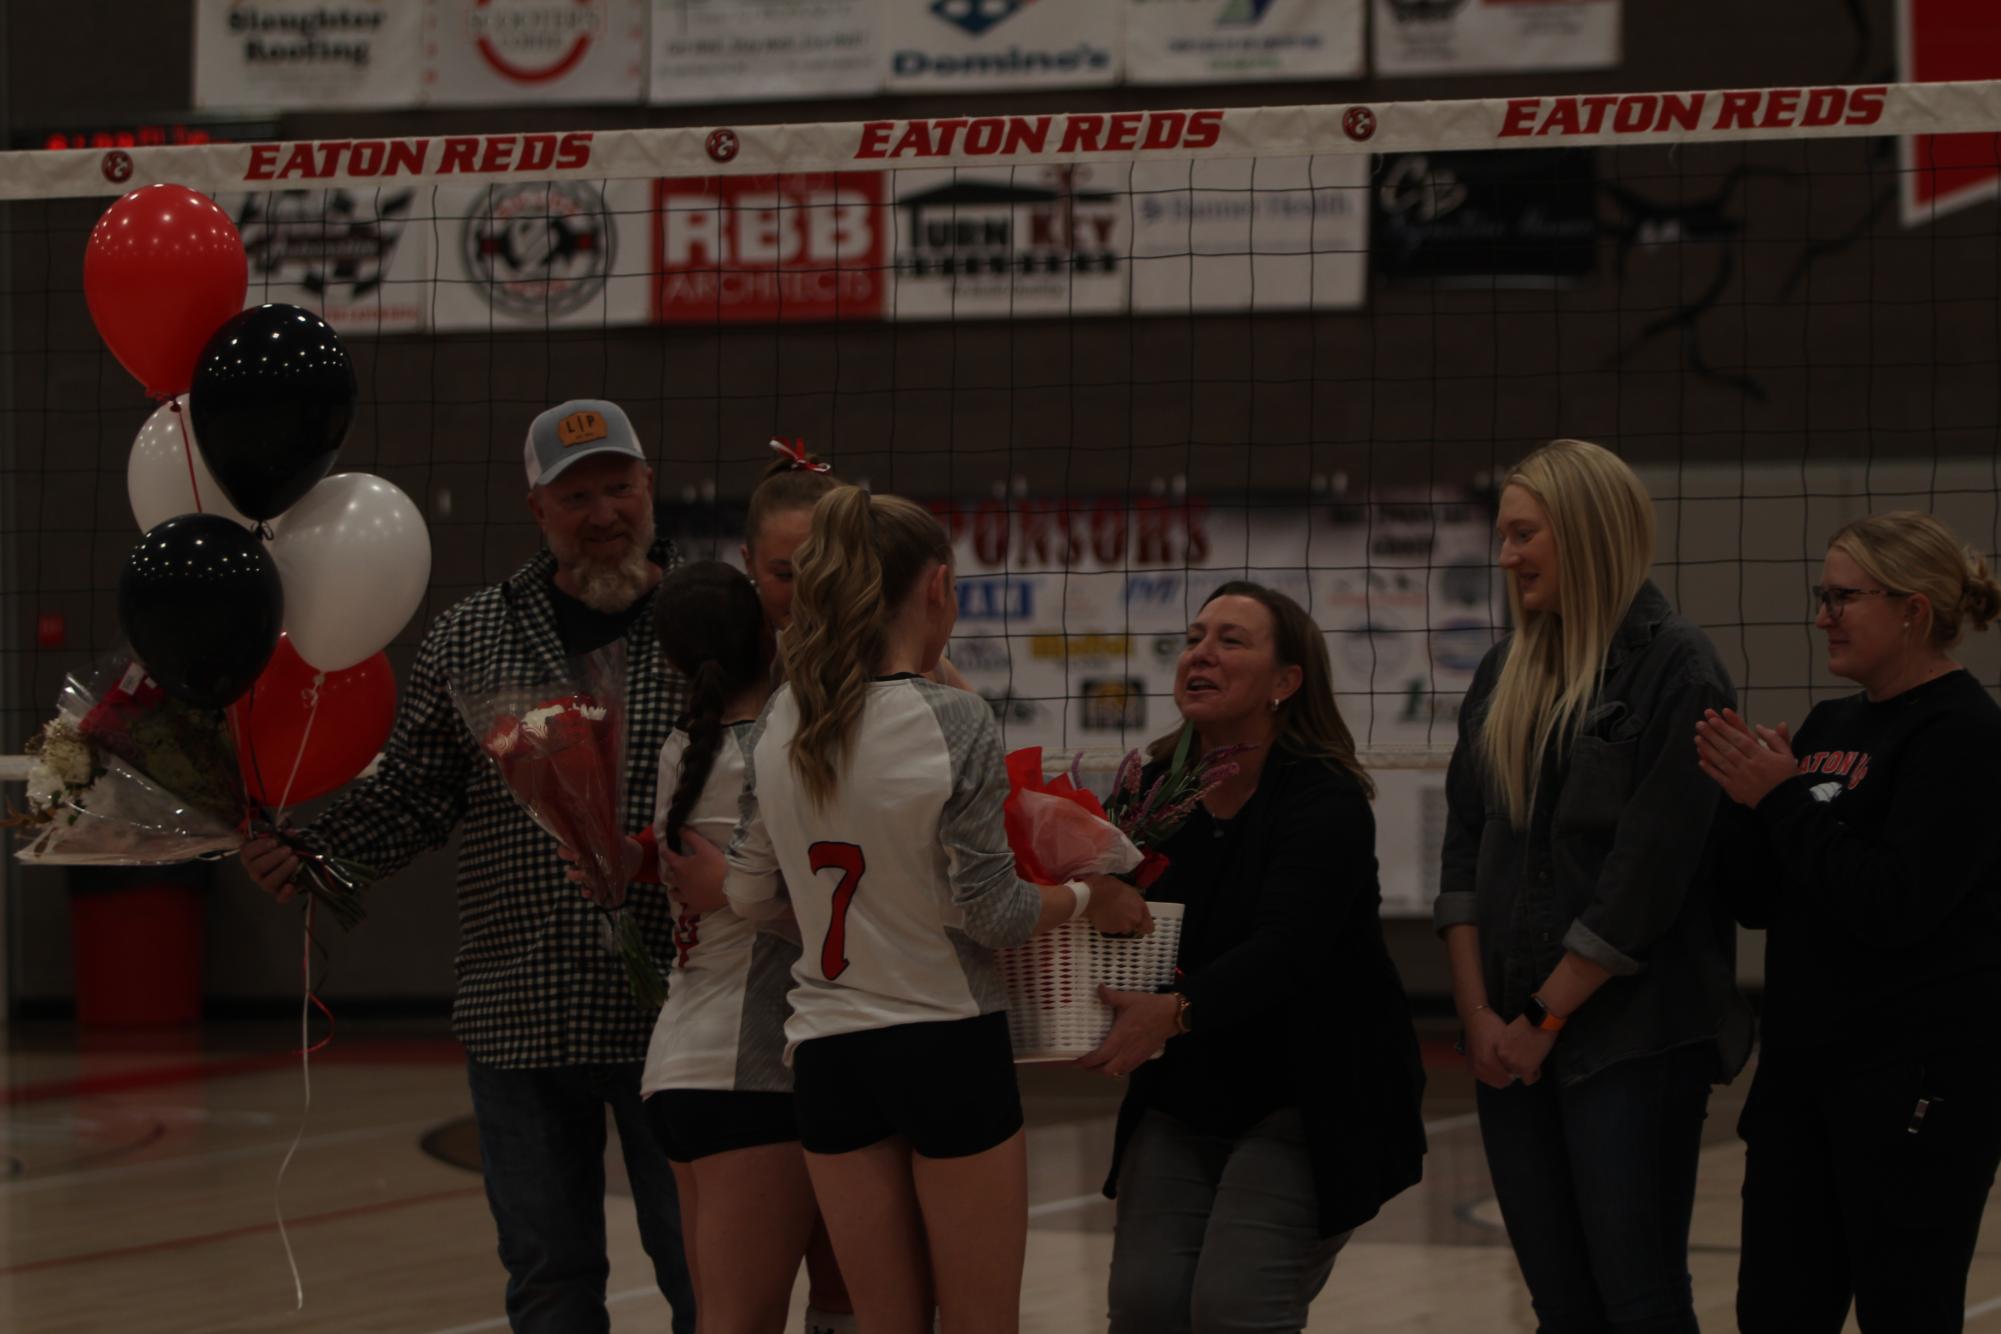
(188, 454)
(306, 1050)
(305, 736)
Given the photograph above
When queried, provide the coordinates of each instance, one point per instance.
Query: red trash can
(136, 939)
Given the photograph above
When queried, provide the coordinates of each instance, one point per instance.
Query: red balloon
(277, 727)
(163, 270)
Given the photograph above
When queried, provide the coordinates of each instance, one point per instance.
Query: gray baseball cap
(576, 430)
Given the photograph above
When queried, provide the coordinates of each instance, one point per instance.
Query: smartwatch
(1541, 1016)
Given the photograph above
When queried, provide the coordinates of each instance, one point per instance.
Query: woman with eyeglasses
(1869, 848)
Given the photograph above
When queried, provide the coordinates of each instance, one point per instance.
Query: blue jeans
(541, 1147)
(1596, 1183)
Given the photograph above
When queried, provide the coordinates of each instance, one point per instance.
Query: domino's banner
(963, 45)
(272, 54)
(1469, 36)
(1240, 41)
(506, 52)
(740, 50)
(543, 254)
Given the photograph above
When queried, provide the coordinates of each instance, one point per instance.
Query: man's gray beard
(611, 587)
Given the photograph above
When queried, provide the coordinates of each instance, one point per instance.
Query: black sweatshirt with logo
(1877, 875)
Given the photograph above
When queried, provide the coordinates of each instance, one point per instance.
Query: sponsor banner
(1487, 215)
(542, 254)
(273, 54)
(1270, 234)
(504, 52)
(1051, 240)
(740, 50)
(811, 246)
(1465, 36)
(360, 259)
(1009, 141)
(1054, 596)
(1940, 40)
(1237, 41)
(981, 44)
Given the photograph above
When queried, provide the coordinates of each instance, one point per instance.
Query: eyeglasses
(1834, 599)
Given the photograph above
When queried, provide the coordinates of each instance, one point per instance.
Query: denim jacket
(1616, 864)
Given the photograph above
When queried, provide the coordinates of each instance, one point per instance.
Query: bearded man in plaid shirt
(552, 1034)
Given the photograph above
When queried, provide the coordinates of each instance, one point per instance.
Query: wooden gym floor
(137, 1178)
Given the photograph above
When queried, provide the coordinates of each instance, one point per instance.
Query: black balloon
(272, 399)
(201, 601)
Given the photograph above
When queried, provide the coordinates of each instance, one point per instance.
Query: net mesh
(1120, 383)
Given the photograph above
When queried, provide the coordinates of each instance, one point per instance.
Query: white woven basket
(1053, 1010)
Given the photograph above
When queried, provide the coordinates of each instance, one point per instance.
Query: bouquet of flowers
(126, 775)
(1152, 817)
(1056, 828)
(560, 749)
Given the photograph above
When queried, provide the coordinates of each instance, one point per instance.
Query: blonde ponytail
(862, 559)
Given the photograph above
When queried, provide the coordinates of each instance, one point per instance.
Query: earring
(1274, 705)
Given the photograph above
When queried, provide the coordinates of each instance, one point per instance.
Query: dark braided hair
(711, 628)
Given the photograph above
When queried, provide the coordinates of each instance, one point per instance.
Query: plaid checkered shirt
(538, 985)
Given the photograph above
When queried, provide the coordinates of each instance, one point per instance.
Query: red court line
(231, 1234)
(426, 1052)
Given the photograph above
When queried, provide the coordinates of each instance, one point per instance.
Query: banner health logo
(972, 227)
(975, 17)
(1242, 13)
(534, 41)
(327, 242)
(540, 250)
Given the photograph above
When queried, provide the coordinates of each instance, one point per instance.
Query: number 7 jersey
(902, 882)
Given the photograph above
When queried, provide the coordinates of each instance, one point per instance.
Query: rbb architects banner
(738, 50)
(1072, 617)
(306, 53)
(982, 44)
(501, 52)
(812, 246)
(360, 259)
(1465, 36)
(1229, 41)
(543, 254)
(1274, 234)
(1530, 215)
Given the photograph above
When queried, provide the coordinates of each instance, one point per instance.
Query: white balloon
(356, 559)
(156, 476)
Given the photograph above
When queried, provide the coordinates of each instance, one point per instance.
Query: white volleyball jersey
(723, 1026)
(902, 884)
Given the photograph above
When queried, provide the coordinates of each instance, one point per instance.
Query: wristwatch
(1181, 1012)
(1541, 1016)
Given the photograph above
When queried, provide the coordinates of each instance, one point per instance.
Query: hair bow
(796, 454)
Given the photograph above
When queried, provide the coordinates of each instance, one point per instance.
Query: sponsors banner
(1264, 234)
(740, 50)
(306, 53)
(1487, 215)
(360, 259)
(765, 248)
(1238, 41)
(543, 254)
(1350, 130)
(983, 44)
(1466, 36)
(502, 52)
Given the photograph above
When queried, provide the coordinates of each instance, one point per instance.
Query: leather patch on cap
(580, 428)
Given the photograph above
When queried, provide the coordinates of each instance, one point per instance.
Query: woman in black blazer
(1284, 1108)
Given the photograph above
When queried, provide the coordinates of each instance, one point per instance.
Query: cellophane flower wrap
(127, 775)
(1152, 813)
(1056, 828)
(559, 746)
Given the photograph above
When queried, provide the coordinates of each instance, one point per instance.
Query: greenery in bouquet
(1152, 813)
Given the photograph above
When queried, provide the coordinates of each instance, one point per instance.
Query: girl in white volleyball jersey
(875, 795)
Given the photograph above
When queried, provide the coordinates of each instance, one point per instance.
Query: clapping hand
(1746, 762)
